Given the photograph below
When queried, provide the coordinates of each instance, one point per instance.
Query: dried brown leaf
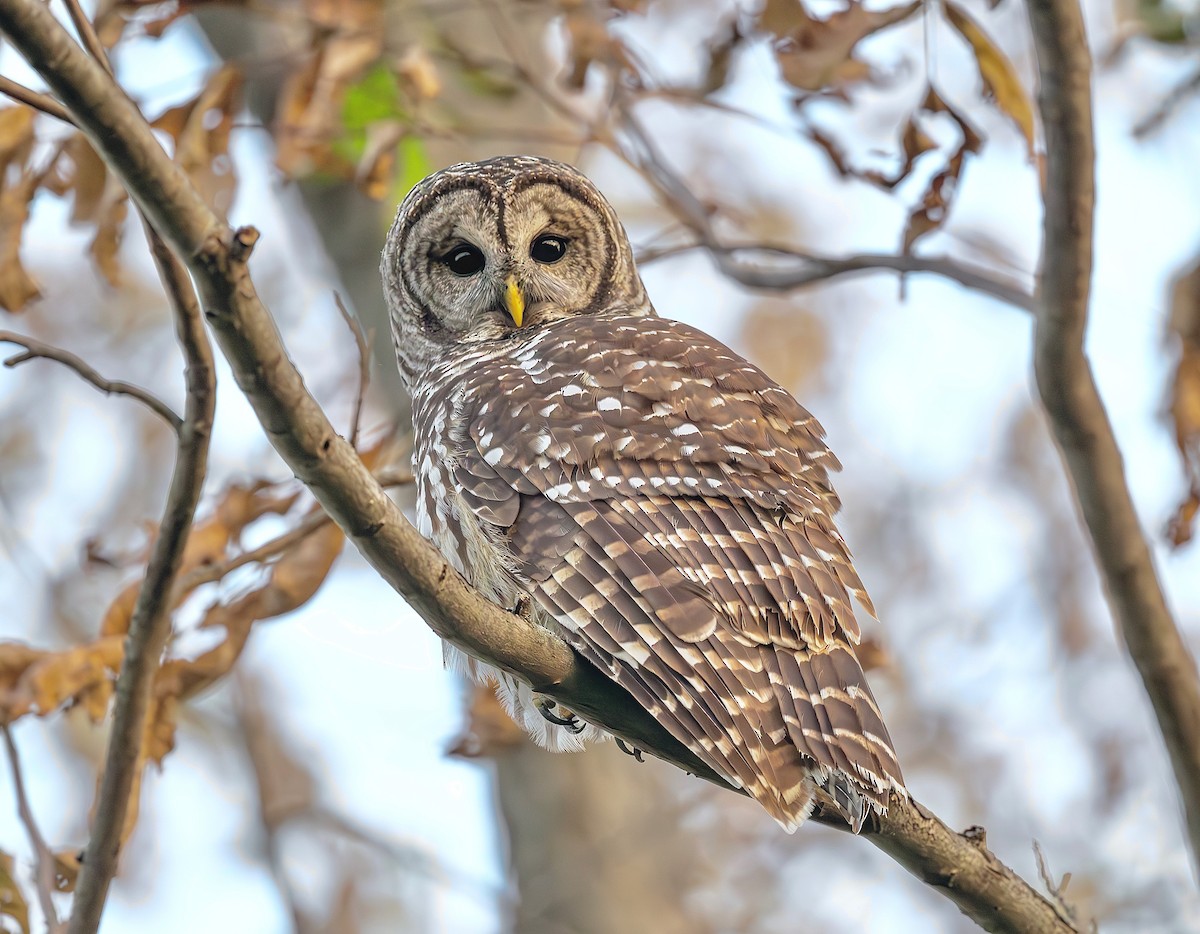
(202, 146)
(1001, 83)
(16, 136)
(1185, 396)
(418, 75)
(17, 287)
(308, 114)
(15, 658)
(117, 616)
(57, 678)
(106, 245)
(66, 870)
(12, 901)
(489, 730)
(87, 179)
(934, 208)
(292, 582)
(816, 54)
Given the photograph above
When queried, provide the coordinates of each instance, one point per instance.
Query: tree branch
(150, 624)
(779, 269)
(962, 869)
(35, 349)
(43, 858)
(31, 98)
(764, 270)
(1068, 390)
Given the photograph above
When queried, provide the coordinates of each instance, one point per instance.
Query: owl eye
(548, 249)
(464, 260)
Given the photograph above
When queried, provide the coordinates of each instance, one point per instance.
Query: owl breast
(476, 549)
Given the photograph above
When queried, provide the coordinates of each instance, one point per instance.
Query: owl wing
(670, 505)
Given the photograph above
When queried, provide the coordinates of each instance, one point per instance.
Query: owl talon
(521, 607)
(570, 722)
(629, 750)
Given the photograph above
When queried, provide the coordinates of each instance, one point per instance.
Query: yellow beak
(514, 301)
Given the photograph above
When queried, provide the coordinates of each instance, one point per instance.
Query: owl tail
(835, 729)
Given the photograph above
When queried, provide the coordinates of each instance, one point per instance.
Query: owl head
(495, 251)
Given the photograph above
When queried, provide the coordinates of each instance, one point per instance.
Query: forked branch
(1068, 390)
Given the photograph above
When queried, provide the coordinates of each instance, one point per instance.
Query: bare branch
(150, 625)
(779, 269)
(1174, 99)
(1068, 391)
(363, 342)
(35, 349)
(961, 868)
(87, 33)
(42, 102)
(43, 858)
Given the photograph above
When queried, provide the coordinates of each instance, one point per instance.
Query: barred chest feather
(474, 548)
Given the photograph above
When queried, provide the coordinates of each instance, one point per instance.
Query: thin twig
(87, 33)
(35, 349)
(780, 269)
(43, 102)
(1068, 391)
(961, 869)
(363, 343)
(1186, 88)
(211, 573)
(150, 624)
(43, 858)
(764, 270)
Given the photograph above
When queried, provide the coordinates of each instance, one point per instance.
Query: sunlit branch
(1068, 391)
(35, 349)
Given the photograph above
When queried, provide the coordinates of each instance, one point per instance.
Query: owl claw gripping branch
(660, 503)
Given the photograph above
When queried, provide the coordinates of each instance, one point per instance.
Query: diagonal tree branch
(1068, 391)
(960, 866)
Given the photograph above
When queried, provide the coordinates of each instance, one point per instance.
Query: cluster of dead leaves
(199, 130)
(40, 682)
(819, 57)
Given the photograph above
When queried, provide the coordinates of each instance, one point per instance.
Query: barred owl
(633, 485)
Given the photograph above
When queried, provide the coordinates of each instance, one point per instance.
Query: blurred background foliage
(849, 195)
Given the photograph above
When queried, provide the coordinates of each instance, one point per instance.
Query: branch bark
(150, 625)
(959, 866)
(778, 269)
(1068, 391)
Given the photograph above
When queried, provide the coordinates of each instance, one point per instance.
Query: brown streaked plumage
(666, 505)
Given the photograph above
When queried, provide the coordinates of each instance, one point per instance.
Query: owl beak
(514, 301)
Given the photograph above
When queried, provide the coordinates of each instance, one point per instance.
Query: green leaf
(374, 97)
(414, 165)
